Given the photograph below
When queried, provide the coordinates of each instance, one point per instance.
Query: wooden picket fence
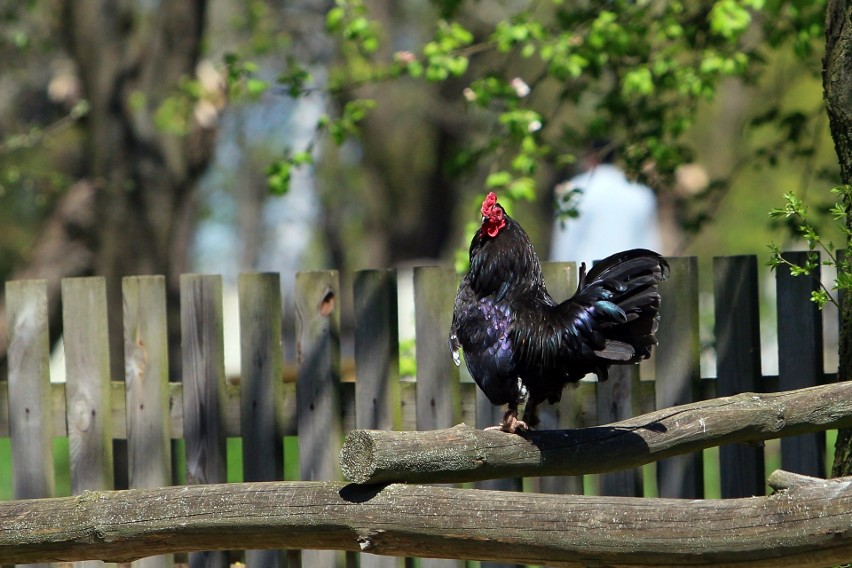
(148, 409)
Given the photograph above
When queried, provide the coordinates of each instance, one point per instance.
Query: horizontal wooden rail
(463, 453)
(805, 524)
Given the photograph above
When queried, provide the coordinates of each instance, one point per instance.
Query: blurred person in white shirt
(613, 212)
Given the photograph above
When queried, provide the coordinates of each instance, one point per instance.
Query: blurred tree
(144, 146)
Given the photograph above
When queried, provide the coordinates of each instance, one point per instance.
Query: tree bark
(803, 524)
(463, 453)
(837, 83)
(131, 59)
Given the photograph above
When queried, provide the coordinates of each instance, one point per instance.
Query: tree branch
(806, 525)
(463, 453)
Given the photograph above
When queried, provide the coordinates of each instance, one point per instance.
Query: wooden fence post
(438, 391)
(737, 333)
(261, 393)
(146, 383)
(561, 280)
(203, 389)
(677, 370)
(88, 390)
(377, 389)
(800, 358)
(30, 417)
(318, 398)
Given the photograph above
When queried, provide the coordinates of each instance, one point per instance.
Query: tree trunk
(837, 82)
(131, 57)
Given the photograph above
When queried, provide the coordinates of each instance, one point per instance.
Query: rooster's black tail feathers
(621, 291)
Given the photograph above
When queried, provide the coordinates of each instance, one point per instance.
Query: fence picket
(677, 371)
(376, 349)
(737, 334)
(146, 383)
(800, 356)
(318, 389)
(438, 391)
(377, 388)
(561, 280)
(203, 390)
(261, 389)
(615, 401)
(88, 389)
(29, 391)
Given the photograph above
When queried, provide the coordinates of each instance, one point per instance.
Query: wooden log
(805, 524)
(463, 453)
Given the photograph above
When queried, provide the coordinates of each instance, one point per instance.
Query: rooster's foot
(511, 424)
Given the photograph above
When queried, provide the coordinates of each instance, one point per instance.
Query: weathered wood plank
(438, 400)
(806, 525)
(146, 381)
(677, 370)
(438, 389)
(737, 331)
(561, 280)
(261, 371)
(88, 386)
(800, 361)
(463, 453)
(29, 389)
(203, 389)
(318, 398)
(377, 389)
(376, 350)
(615, 403)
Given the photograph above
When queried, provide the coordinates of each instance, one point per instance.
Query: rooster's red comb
(488, 204)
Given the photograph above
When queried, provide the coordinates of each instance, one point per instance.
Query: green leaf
(498, 179)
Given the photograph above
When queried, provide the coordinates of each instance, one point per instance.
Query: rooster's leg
(511, 423)
(531, 419)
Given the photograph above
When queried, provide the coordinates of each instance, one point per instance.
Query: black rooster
(522, 346)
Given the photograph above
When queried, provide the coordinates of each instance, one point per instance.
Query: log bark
(463, 453)
(805, 524)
